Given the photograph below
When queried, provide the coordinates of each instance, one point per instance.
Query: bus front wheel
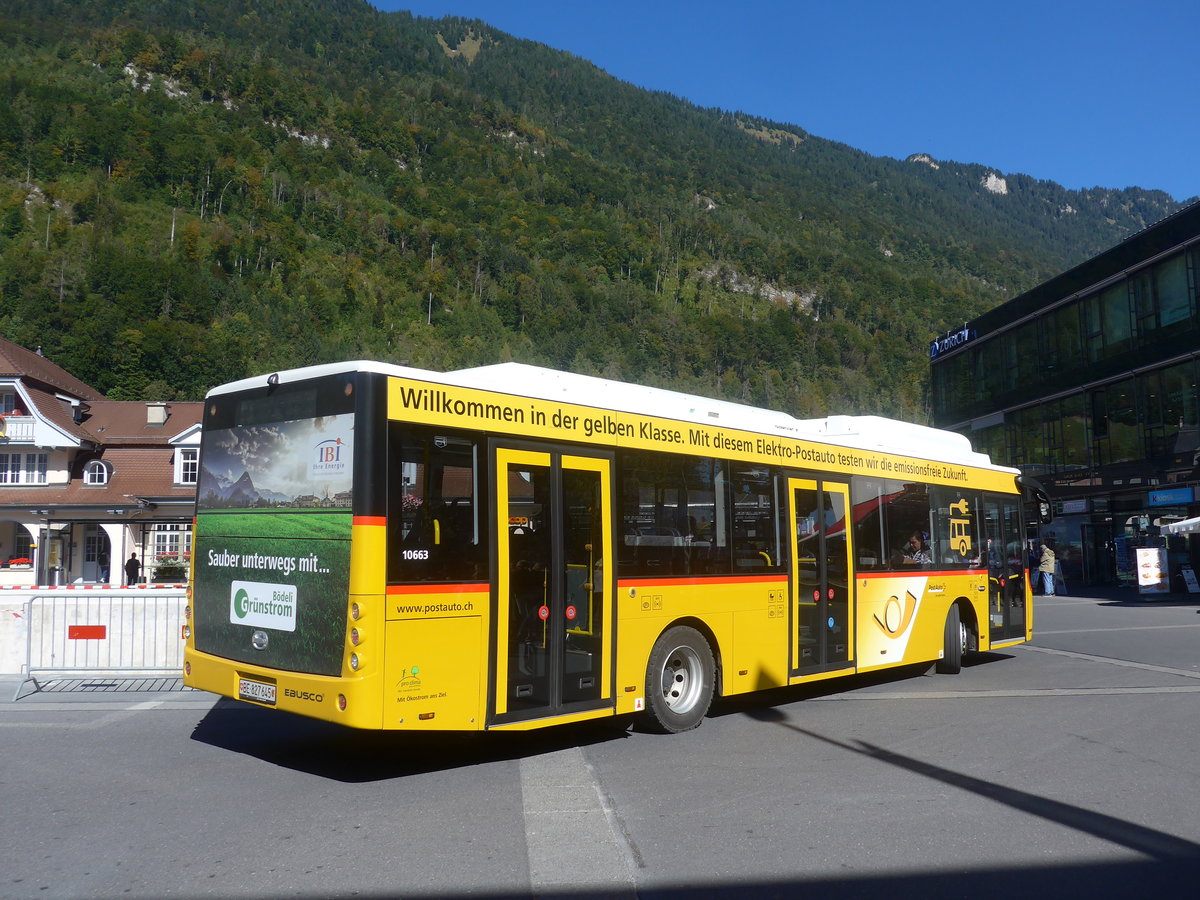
(679, 681)
(954, 640)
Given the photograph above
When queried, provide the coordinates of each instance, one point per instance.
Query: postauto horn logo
(261, 605)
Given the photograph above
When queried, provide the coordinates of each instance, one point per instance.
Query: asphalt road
(1071, 765)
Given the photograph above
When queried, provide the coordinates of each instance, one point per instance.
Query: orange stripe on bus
(370, 520)
(439, 588)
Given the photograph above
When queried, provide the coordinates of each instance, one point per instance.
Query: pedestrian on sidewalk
(1046, 567)
(133, 569)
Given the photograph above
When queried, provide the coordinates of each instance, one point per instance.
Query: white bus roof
(861, 432)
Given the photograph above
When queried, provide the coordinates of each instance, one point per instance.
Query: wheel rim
(962, 637)
(682, 679)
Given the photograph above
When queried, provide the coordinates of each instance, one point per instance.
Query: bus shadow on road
(348, 755)
(971, 660)
(343, 754)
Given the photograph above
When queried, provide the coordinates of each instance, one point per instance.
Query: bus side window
(956, 527)
(672, 509)
(757, 543)
(867, 516)
(905, 507)
(434, 532)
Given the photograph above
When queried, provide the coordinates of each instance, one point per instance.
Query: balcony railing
(16, 429)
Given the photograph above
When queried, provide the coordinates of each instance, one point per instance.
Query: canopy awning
(1185, 526)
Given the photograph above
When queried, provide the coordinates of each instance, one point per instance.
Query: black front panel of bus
(275, 505)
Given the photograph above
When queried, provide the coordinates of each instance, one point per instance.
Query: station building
(85, 481)
(1087, 383)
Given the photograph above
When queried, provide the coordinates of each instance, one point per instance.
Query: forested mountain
(192, 192)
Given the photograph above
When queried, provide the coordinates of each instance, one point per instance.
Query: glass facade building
(1088, 384)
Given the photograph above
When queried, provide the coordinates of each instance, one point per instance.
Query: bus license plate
(256, 691)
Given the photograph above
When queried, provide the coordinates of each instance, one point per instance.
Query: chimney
(156, 413)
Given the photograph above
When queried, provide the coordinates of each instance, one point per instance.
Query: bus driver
(916, 552)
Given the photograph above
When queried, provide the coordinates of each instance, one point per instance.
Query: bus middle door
(822, 598)
(554, 584)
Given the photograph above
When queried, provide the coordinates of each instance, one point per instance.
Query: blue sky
(1083, 92)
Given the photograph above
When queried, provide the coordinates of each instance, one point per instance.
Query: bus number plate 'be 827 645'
(256, 691)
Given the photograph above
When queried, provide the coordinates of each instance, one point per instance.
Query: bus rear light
(187, 668)
(355, 662)
(355, 612)
(187, 612)
(355, 637)
(187, 632)
(342, 702)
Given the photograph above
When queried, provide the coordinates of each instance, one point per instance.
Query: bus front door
(1007, 567)
(553, 623)
(822, 598)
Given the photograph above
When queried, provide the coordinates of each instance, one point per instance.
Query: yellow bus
(510, 547)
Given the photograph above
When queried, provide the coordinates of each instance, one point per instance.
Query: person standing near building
(1046, 567)
(133, 569)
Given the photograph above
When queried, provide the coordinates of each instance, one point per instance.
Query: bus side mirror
(1043, 508)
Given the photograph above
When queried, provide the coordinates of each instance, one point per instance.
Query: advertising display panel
(1152, 570)
(273, 540)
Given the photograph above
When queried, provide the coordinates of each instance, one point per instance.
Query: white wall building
(85, 481)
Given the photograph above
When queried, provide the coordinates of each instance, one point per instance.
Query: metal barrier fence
(103, 634)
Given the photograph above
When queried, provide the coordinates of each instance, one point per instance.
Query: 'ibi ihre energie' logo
(330, 458)
(263, 605)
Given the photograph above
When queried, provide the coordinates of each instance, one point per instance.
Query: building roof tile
(16, 361)
(126, 421)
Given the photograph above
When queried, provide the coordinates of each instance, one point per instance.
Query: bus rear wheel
(954, 642)
(679, 681)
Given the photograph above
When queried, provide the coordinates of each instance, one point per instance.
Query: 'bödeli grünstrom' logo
(261, 605)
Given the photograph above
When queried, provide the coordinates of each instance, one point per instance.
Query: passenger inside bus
(915, 552)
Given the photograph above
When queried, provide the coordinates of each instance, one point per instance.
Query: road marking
(574, 840)
(1046, 692)
(975, 695)
(1041, 633)
(1129, 664)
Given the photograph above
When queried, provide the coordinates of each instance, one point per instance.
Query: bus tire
(955, 637)
(679, 681)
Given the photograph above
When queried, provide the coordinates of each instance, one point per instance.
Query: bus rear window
(435, 532)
